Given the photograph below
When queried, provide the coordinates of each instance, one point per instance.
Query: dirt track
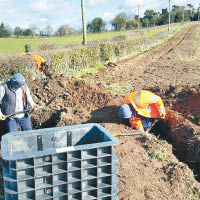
(148, 166)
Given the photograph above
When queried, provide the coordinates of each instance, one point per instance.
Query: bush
(72, 62)
(106, 52)
(15, 64)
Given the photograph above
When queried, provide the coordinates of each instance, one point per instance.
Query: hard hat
(18, 79)
(126, 111)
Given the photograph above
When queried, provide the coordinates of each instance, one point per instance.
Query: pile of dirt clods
(75, 99)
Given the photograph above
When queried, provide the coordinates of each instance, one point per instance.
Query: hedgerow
(9, 65)
(72, 60)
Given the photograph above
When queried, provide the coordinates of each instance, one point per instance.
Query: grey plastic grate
(65, 163)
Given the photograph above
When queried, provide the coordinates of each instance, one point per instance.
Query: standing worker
(40, 62)
(15, 97)
(141, 108)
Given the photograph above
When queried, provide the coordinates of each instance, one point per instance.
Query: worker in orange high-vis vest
(141, 108)
(40, 62)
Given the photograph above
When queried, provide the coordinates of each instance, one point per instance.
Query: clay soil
(163, 166)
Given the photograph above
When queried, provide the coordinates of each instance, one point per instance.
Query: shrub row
(76, 60)
(9, 65)
(70, 61)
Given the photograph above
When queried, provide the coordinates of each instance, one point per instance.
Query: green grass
(151, 33)
(93, 70)
(15, 45)
(119, 88)
(160, 154)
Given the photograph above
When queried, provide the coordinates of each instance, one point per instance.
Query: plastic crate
(63, 163)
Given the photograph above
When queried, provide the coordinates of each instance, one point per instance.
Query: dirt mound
(148, 170)
(73, 104)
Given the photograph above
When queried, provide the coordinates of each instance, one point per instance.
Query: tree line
(121, 21)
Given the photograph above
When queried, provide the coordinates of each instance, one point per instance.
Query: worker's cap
(126, 111)
(18, 80)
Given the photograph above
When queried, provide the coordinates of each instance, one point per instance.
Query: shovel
(31, 109)
(139, 133)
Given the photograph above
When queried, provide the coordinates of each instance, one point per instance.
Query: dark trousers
(24, 122)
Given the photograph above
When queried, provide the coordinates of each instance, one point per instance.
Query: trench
(181, 129)
(163, 131)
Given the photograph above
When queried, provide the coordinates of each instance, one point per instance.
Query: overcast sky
(24, 13)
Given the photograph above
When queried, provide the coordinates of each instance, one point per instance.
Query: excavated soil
(164, 166)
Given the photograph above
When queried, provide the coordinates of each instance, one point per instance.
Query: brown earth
(150, 168)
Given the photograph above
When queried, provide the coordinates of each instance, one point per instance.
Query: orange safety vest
(38, 60)
(146, 104)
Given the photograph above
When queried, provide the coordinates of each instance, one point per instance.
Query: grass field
(15, 45)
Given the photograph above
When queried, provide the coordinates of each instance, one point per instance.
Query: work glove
(35, 107)
(2, 117)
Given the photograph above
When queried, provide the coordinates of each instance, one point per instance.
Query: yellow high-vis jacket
(146, 104)
(38, 60)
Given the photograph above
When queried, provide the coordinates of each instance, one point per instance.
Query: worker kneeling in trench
(141, 109)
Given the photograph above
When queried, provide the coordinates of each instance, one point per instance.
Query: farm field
(164, 166)
(16, 45)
